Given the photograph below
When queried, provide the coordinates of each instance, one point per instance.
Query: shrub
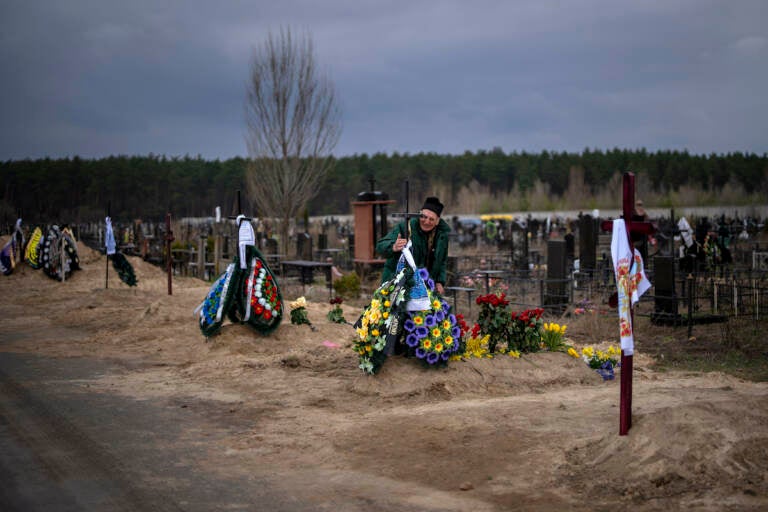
(348, 286)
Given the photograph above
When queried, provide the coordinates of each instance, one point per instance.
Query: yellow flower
(514, 353)
(375, 333)
(427, 344)
(446, 324)
(418, 320)
(387, 303)
(368, 348)
(572, 352)
(385, 315)
(436, 332)
(438, 347)
(449, 340)
(385, 292)
(588, 351)
(562, 329)
(436, 304)
(301, 302)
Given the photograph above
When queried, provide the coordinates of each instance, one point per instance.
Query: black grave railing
(705, 297)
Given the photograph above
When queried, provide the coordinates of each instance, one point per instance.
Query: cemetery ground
(110, 395)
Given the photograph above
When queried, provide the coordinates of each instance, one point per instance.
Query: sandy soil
(538, 433)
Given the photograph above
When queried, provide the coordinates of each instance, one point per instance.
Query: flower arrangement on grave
(553, 337)
(336, 314)
(433, 335)
(526, 330)
(477, 346)
(299, 314)
(604, 362)
(509, 331)
(373, 325)
(494, 320)
(265, 299)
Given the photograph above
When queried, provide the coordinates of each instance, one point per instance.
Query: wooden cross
(633, 228)
(169, 261)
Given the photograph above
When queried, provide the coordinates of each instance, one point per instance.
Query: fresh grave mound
(692, 444)
(500, 376)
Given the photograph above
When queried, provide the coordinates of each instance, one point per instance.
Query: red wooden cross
(633, 228)
(169, 255)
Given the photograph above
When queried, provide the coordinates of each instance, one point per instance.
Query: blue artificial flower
(439, 317)
(452, 318)
(432, 357)
(430, 284)
(420, 353)
(445, 355)
(409, 325)
(411, 340)
(423, 273)
(422, 332)
(456, 331)
(430, 320)
(446, 306)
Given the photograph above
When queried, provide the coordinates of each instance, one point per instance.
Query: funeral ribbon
(419, 297)
(631, 282)
(245, 237)
(109, 237)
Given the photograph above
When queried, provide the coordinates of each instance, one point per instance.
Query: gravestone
(556, 296)
(588, 238)
(665, 296)
(304, 246)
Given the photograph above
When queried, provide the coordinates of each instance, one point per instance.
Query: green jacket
(418, 249)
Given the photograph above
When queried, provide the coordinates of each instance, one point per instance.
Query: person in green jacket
(429, 236)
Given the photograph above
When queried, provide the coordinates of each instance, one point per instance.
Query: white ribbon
(109, 237)
(685, 231)
(245, 237)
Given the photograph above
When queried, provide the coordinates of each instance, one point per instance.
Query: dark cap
(433, 204)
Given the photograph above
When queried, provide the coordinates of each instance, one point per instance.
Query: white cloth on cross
(109, 237)
(685, 231)
(631, 282)
(419, 296)
(245, 237)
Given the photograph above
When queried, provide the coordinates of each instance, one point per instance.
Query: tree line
(69, 190)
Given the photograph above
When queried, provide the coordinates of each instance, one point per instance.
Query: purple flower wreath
(433, 335)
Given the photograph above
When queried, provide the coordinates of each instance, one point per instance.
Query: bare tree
(293, 124)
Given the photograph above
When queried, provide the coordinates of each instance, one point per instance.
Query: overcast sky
(100, 77)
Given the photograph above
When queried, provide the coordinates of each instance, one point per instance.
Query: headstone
(556, 296)
(304, 246)
(665, 296)
(588, 238)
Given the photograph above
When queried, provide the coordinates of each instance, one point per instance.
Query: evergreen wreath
(124, 269)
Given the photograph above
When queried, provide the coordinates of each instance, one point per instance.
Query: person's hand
(399, 244)
(439, 288)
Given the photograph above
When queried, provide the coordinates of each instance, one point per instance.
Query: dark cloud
(98, 78)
